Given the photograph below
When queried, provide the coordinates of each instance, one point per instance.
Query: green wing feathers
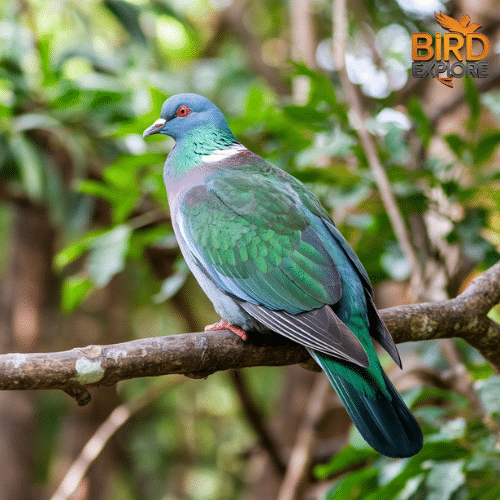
(263, 242)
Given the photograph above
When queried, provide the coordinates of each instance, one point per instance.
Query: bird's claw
(224, 325)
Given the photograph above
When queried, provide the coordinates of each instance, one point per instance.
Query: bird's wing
(464, 20)
(448, 22)
(320, 329)
(249, 234)
(473, 27)
(377, 328)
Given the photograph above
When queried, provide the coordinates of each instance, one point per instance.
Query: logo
(432, 57)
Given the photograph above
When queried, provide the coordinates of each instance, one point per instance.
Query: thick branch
(193, 354)
(200, 354)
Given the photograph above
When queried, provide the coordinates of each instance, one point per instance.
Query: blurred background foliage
(89, 254)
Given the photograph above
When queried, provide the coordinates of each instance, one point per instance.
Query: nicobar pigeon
(270, 258)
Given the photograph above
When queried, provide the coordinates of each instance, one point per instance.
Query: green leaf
(30, 166)
(74, 290)
(413, 203)
(44, 51)
(484, 370)
(137, 126)
(124, 207)
(494, 315)
(472, 98)
(492, 101)
(123, 173)
(128, 15)
(75, 250)
(456, 144)
(255, 102)
(396, 144)
(121, 183)
(170, 287)
(424, 393)
(305, 114)
(487, 491)
(30, 121)
(335, 175)
(121, 176)
(322, 89)
(444, 479)
(107, 255)
(355, 485)
(68, 97)
(335, 144)
(357, 441)
(411, 487)
(145, 237)
(395, 264)
(489, 393)
(123, 201)
(174, 283)
(97, 188)
(345, 458)
(485, 147)
(421, 122)
(450, 188)
(454, 429)
(55, 194)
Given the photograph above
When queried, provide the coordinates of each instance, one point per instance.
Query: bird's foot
(224, 325)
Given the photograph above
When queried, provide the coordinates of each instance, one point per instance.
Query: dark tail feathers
(386, 424)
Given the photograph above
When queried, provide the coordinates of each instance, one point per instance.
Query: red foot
(224, 325)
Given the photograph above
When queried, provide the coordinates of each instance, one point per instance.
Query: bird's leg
(224, 325)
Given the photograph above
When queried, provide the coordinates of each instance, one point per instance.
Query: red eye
(183, 111)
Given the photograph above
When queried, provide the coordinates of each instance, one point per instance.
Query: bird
(271, 260)
(461, 26)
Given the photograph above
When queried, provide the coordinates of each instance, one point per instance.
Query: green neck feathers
(190, 150)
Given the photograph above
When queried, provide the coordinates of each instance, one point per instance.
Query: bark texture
(200, 354)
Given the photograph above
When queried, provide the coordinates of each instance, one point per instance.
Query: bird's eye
(183, 111)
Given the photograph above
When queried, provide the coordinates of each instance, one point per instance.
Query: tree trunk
(23, 299)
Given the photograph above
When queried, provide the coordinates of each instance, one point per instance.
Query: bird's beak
(155, 128)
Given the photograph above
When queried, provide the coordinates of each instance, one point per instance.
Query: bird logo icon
(461, 26)
(456, 54)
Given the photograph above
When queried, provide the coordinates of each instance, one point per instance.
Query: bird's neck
(196, 147)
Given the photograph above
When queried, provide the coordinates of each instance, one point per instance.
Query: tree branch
(200, 354)
(254, 417)
(401, 232)
(300, 458)
(105, 432)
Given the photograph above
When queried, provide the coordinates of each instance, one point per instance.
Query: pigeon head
(183, 114)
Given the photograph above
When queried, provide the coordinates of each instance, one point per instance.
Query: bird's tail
(379, 413)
